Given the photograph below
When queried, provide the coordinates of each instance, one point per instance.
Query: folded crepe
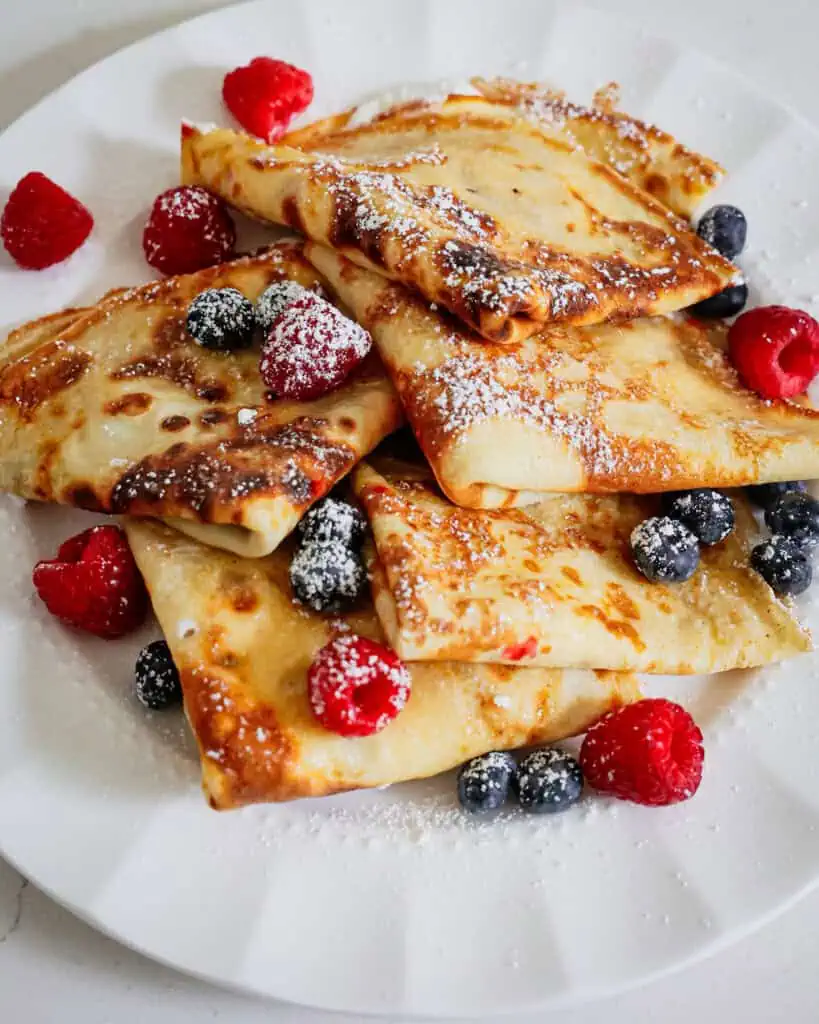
(507, 225)
(116, 409)
(644, 406)
(243, 648)
(643, 153)
(554, 585)
(649, 157)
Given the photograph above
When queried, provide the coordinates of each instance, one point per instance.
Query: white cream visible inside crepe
(244, 666)
(555, 585)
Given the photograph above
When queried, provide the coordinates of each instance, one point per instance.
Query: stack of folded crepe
(520, 263)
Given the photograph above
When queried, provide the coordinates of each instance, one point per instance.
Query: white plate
(388, 901)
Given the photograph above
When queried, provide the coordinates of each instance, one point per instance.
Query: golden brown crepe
(645, 406)
(555, 585)
(650, 158)
(641, 152)
(116, 409)
(505, 224)
(243, 648)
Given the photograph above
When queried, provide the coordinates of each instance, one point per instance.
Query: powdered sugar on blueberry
(275, 299)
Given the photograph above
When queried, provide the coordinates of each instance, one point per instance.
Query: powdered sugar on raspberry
(311, 348)
(189, 228)
(189, 203)
(356, 686)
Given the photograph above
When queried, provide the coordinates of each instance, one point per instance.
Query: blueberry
(157, 680)
(275, 299)
(548, 781)
(796, 515)
(333, 521)
(725, 303)
(783, 565)
(724, 228)
(665, 551)
(484, 782)
(765, 495)
(327, 577)
(221, 319)
(708, 514)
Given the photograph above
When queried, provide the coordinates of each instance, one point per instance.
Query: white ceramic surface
(374, 902)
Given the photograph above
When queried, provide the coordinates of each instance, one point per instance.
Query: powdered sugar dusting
(496, 285)
(275, 299)
(311, 348)
(347, 672)
(468, 389)
(244, 417)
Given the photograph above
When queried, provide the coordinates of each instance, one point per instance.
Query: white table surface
(55, 969)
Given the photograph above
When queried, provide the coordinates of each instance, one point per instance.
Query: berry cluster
(327, 573)
(309, 347)
(650, 752)
(725, 229)
(546, 781)
(792, 516)
(666, 548)
(774, 348)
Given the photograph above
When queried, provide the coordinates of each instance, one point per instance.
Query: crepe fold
(243, 648)
(555, 585)
(645, 406)
(651, 158)
(505, 224)
(647, 156)
(116, 409)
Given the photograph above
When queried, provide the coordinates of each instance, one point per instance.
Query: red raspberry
(266, 94)
(310, 349)
(357, 686)
(649, 752)
(776, 350)
(94, 584)
(43, 224)
(189, 228)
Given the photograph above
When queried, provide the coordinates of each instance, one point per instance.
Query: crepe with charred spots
(243, 647)
(505, 223)
(554, 584)
(644, 406)
(116, 409)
